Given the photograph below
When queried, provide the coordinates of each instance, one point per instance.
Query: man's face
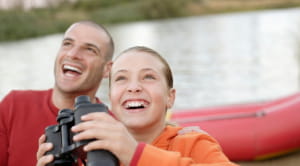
(80, 63)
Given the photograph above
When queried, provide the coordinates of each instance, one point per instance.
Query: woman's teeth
(135, 105)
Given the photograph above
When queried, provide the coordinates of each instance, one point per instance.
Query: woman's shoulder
(190, 134)
(186, 130)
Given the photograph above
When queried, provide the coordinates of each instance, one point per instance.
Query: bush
(122, 13)
(153, 9)
(20, 25)
(89, 5)
(17, 25)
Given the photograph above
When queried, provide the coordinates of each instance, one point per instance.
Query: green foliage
(135, 10)
(89, 5)
(122, 13)
(17, 24)
(153, 9)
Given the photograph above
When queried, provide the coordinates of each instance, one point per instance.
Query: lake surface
(216, 59)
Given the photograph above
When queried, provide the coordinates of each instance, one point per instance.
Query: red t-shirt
(24, 115)
(23, 118)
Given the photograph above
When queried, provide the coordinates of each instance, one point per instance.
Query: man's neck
(67, 100)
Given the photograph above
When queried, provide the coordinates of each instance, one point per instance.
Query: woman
(141, 92)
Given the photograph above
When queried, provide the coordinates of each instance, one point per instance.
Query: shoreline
(17, 24)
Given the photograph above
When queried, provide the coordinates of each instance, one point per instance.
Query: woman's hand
(109, 133)
(43, 159)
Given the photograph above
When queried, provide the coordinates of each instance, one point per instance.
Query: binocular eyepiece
(67, 152)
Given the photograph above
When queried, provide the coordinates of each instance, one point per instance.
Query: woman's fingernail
(75, 138)
(49, 157)
(83, 117)
(48, 145)
(74, 128)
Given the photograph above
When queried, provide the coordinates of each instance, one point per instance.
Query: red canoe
(250, 131)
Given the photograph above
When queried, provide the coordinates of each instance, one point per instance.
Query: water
(216, 59)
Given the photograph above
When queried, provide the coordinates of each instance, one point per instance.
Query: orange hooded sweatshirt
(172, 149)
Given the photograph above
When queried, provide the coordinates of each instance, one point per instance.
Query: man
(84, 58)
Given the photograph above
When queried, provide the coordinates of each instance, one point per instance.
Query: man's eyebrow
(67, 38)
(93, 45)
(87, 44)
(147, 69)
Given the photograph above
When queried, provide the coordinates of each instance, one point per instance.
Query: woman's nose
(134, 87)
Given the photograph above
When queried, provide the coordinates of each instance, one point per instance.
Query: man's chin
(68, 89)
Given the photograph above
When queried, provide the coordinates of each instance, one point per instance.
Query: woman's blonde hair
(167, 69)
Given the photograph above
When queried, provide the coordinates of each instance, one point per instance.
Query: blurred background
(221, 51)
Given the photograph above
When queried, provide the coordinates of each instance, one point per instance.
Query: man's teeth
(67, 67)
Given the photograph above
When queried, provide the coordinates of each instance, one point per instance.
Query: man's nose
(74, 53)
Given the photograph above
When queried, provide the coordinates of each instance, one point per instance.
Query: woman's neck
(147, 135)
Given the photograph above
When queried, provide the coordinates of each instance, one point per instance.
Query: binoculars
(67, 152)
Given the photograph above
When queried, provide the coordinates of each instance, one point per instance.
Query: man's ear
(107, 69)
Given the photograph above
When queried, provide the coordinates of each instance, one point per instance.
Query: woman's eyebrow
(120, 71)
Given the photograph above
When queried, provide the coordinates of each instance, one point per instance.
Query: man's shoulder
(27, 94)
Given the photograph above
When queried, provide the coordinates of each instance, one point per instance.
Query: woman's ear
(171, 98)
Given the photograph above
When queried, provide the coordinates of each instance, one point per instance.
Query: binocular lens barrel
(65, 151)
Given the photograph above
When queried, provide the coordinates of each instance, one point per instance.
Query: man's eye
(91, 50)
(66, 43)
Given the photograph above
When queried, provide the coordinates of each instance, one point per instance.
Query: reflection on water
(217, 59)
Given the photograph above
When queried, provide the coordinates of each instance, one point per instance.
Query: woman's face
(139, 93)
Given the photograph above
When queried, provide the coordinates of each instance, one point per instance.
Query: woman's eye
(149, 77)
(120, 78)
